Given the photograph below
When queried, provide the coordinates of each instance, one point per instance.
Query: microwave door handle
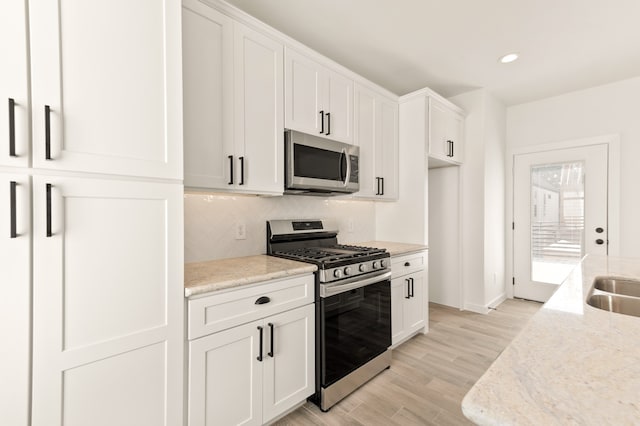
(348, 176)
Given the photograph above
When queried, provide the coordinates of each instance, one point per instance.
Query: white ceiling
(453, 46)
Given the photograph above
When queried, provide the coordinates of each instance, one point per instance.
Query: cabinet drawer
(402, 265)
(230, 308)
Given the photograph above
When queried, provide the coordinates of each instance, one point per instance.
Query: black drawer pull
(262, 300)
(408, 296)
(230, 157)
(49, 232)
(407, 264)
(12, 127)
(12, 200)
(47, 132)
(411, 294)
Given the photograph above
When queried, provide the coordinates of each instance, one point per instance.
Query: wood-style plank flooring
(429, 374)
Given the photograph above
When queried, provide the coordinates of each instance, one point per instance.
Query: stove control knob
(347, 270)
(375, 264)
(362, 268)
(382, 265)
(337, 273)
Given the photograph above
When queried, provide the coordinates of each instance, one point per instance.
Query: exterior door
(560, 215)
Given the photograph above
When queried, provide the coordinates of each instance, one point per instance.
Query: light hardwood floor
(429, 374)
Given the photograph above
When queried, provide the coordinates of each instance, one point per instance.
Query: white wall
(210, 221)
(482, 206)
(609, 109)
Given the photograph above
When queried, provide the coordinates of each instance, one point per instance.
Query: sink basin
(614, 303)
(624, 286)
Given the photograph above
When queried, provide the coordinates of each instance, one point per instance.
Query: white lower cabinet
(409, 301)
(252, 373)
(107, 302)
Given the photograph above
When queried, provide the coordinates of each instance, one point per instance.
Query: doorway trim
(613, 192)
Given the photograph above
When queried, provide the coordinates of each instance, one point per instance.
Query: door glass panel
(557, 220)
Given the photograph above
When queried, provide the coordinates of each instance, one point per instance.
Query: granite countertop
(394, 249)
(214, 275)
(571, 364)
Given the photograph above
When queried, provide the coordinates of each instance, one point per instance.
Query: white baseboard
(476, 308)
(498, 300)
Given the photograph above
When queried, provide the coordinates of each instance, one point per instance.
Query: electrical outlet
(349, 225)
(241, 231)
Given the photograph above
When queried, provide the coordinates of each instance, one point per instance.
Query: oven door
(355, 327)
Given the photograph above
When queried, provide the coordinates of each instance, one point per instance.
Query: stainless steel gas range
(353, 304)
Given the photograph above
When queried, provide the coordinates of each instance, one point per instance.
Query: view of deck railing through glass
(557, 220)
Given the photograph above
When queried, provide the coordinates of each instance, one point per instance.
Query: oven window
(318, 163)
(355, 327)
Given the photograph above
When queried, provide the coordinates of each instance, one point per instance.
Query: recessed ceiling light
(510, 57)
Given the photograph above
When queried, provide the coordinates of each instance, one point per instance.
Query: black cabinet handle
(377, 186)
(382, 191)
(49, 233)
(230, 169)
(599, 230)
(47, 132)
(321, 121)
(452, 153)
(411, 294)
(599, 241)
(12, 127)
(241, 170)
(328, 123)
(407, 264)
(408, 296)
(262, 300)
(260, 353)
(271, 328)
(12, 201)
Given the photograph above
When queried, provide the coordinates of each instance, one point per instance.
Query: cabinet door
(303, 93)
(399, 293)
(415, 306)
(14, 90)
(339, 125)
(289, 366)
(456, 135)
(110, 73)
(387, 146)
(259, 124)
(207, 46)
(107, 302)
(439, 117)
(365, 138)
(225, 377)
(15, 298)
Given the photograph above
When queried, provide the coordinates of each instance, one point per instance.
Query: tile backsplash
(210, 221)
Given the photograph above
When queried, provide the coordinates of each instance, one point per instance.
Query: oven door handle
(331, 289)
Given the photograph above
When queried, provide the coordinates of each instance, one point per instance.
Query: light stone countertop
(571, 364)
(394, 249)
(214, 275)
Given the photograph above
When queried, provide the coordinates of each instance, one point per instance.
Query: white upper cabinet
(14, 88)
(376, 133)
(105, 85)
(233, 104)
(446, 134)
(318, 100)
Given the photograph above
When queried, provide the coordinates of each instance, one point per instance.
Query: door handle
(408, 296)
(382, 186)
(328, 123)
(412, 295)
(322, 122)
(12, 200)
(12, 127)
(271, 329)
(452, 152)
(230, 157)
(47, 132)
(241, 170)
(260, 344)
(49, 232)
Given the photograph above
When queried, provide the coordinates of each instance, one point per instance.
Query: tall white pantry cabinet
(91, 293)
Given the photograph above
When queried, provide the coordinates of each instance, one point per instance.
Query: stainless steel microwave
(315, 165)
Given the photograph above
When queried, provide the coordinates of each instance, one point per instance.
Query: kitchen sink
(624, 286)
(615, 294)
